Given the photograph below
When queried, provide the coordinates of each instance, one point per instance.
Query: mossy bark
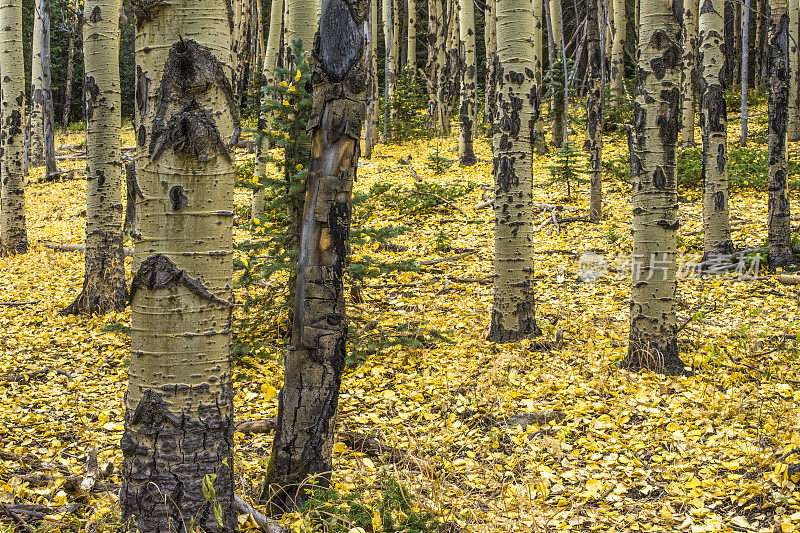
(513, 312)
(594, 111)
(307, 404)
(179, 404)
(713, 124)
(466, 112)
(653, 342)
(104, 279)
(618, 48)
(689, 72)
(779, 226)
(13, 232)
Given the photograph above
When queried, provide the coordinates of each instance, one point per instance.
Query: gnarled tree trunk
(689, 71)
(179, 406)
(308, 401)
(513, 311)
(594, 111)
(466, 112)
(653, 342)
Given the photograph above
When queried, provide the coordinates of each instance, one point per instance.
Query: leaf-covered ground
(620, 451)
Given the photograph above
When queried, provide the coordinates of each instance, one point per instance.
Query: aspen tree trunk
(13, 233)
(240, 49)
(653, 334)
(434, 65)
(301, 23)
(73, 25)
(737, 41)
(104, 279)
(466, 112)
(793, 126)
(390, 75)
(759, 43)
(513, 312)
(48, 131)
(36, 127)
(307, 403)
(412, 37)
(745, 50)
(396, 37)
(373, 108)
(594, 111)
(618, 48)
(689, 71)
(268, 78)
(779, 227)
(607, 27)
(179, 406)
(556, 106)
(491, 64)
(539, 140)
(713, 123)
(453, 58)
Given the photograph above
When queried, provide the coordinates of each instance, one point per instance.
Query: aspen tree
(390, 76)
(513, 312)
(268, 78)
(178, 439)
(396, 18)
(307, 403)
(412, 37)
(653, 340)
(689, 71)
(36, 124)
(607, 29)
(373, 111)
(556, 106)
(594, 111)
(779, 226)
(539, 141)
(301, 23)
(618, 48)
(104, 279)
(466, 112)
(745, 47)
(48, 131)
(491, 62)
(13, 233)
(73, 27)
(793, 126)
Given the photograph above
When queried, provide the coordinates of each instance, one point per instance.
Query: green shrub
(568, 168)
(409, 108)
(617, 111)
(690, 167)
(438, 163)
(425, 197)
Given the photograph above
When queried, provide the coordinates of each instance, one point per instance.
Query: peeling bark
(594, 111)
(13, 233)
(466, 112)
(653, 342)
(179, 417)
(308, 401)
(689, 72)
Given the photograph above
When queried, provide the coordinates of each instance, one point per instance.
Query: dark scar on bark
(191, 132)
(178, 198)
(142, 9)
(159, 272)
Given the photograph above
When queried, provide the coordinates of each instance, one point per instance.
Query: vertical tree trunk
(13, 233)
(759, 44)
(607, 26)
(301, 23)
(557, 97)
(73, 24)
(390, 64)
(307, 404)
(745, 50)
(396, 37)
(513, 312)
(618, 48)
(412, 37)
(48, 123)
(491, 64)
(689, 71)
(466, 112)
(779, 227)
(434, 65)
(179, 406)
(539, 140)
(268, 78)
(733, 57)
(373, 106)
(713, 123)
(594, 111)
(36, 124)
(793, 126)
(104, 279)
(653, 340)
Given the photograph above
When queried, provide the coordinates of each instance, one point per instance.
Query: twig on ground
(16, 518)
(448, 259)
(441, 199)
(29, 376)
(18, 304)
(264, 524)
(76, 248)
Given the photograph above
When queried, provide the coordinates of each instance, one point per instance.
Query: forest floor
(602, 449)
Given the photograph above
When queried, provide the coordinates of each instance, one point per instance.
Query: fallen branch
(263, 425)
(38, 512)
(484, 204)
(264, 524)
(372, 447)
(16, 518)
(76, 248)
(756, 369)
(448, 259)
(442, 199)
(538, 418)
(33, 374)
(18, 304)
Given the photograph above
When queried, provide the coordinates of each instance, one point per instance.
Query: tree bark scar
(159, 272)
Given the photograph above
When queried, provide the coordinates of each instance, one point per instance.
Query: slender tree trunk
(689, 71)
(737, 41)
(390, 70)
(745, 50)
(759, 44)
(565, 133)
(104, 287)
(301, 23)
(607, 27)
(594, 111)
(793, 126)
(491, 64)
(539, 140)
(618, 48)
(779, 227)
(434, 65)
(268, 78)
(48, 122)
(73, 24)
(713, 123)
(373, 107)
(653, 334)
(466, 112)
(412, 37)
(557, 134)
(513, 312)
(13, 233)
(396, 37)
(307, 404)
(36, 126)
(178, 436)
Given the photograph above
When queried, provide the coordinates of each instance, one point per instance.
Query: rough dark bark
(308, 401)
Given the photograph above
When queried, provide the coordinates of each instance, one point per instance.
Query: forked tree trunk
(594, 111)
(618, 48)
(557, 100)
(713, 123)
(779, 226)
(539, 140)
(689, 71)
(308, 401)
(745, 50)
(48, 123)
(793, 126)
(267, 78)
(491, 64)
(36, 124)
(179, 406)
(513, 311)
(412, 38)
(104, 278)
(653, 342)
(13, 233)
(73, 25)
(466, 112)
